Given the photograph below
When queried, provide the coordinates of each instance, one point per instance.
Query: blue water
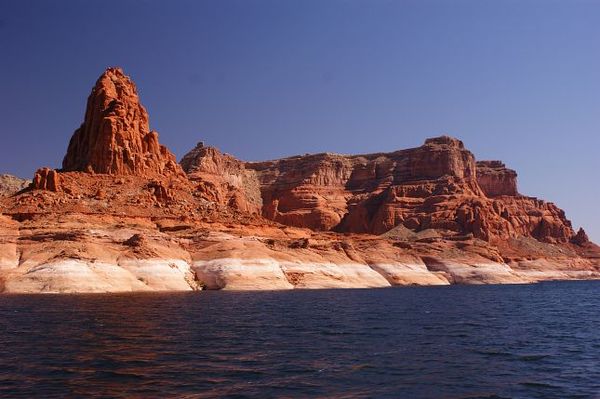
(537, 341)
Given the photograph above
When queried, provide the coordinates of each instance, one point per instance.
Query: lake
(530, 341)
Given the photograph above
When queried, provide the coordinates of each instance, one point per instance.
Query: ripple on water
(459, 342)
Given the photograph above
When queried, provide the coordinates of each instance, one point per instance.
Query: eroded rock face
(495, 179)
(348, 193)
(138, 223)
(435, 186)
(439, 157)
(115, 137)
(581, 238)
(306, 191)
(9, 237)
(222, 178)
(46, 179)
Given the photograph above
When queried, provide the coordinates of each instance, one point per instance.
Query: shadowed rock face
(115, 137)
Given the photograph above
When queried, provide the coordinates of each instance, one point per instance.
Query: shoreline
(266, 291)
(75, 276)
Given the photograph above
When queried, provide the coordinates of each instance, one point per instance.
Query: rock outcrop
(46, 179)
(435, 186)
(222, 179)
(347, 193)
(581, 238)
(495, 179)
(115, 137)
(10, 185)
(123, 216)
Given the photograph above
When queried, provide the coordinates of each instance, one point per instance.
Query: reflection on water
(472, 341)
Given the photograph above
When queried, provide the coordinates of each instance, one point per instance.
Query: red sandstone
(122, 215)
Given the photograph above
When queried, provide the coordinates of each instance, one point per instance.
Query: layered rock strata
(223, 179)
(123, 216)
(436, 186)
(495, 179)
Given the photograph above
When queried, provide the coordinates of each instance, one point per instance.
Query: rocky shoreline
(126, 254)
(123, 215)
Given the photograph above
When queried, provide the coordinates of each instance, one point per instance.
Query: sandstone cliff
(436, 186)
(495, 179)
(123, 216)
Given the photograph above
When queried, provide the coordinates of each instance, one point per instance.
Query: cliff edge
(122, 215)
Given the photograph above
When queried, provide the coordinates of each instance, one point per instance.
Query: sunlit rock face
(495, 179)
(122, 215)
(115, 137)
(350, 193)
(436, 186)
(223, 179)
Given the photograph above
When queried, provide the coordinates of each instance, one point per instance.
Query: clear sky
(515, 80)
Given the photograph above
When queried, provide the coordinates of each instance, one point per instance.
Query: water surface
(535, 341)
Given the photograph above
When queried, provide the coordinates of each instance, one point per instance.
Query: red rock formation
(160, 192)
(438, 157)
(306, 191)
(140, 223)
(115, 137)
(318, 191)
(222, 178)
(46, 179)
(581, 238)
(435, 186)
(495, 179)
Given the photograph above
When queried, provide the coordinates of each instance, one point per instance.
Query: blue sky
(515, 80)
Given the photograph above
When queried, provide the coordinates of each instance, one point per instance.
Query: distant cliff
(10, 185)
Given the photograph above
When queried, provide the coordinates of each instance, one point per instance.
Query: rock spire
(115, 137)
